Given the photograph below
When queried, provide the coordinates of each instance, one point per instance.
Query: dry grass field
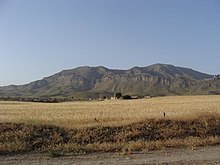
(110, 112)
(112, 125)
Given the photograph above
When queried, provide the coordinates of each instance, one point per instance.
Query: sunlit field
(109, 112)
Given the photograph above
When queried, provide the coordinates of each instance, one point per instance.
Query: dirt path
(202, 155)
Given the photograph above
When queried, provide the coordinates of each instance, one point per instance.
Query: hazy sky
(41, 37)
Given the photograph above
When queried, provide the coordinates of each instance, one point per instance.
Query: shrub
(126, 97)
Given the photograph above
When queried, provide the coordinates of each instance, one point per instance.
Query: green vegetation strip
(143, 136)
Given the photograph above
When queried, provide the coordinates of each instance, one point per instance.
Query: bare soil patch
(197, 155)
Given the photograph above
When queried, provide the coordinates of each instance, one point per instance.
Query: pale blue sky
(41, 37)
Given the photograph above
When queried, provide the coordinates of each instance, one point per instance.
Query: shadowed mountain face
(84, 82)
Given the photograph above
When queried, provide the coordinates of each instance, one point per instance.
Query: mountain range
(93, 82)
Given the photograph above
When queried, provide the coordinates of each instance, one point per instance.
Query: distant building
(113, 98)
(134, 97)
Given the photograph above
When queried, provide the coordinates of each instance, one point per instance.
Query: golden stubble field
(109, 112)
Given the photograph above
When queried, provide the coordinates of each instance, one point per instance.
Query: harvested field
(110, 126)
(110, 112)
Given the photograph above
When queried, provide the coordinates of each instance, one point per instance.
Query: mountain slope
(157, 79)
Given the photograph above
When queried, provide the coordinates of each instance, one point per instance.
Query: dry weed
(149, 135)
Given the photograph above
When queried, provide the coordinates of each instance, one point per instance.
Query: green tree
(118, 95)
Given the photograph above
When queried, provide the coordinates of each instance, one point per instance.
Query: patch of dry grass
(144, 136)
(113, 125)
(109, 113)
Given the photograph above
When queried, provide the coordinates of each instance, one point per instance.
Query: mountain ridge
(85, 82)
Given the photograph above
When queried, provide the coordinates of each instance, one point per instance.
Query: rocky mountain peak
(86, 81)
